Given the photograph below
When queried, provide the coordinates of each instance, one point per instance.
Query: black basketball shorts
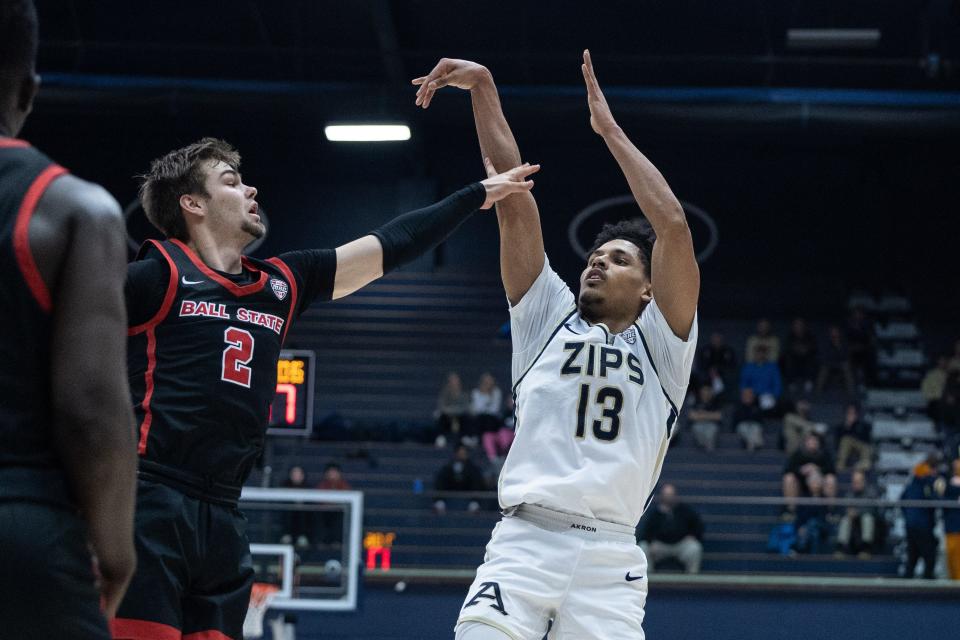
(194, 570)
(47, 586)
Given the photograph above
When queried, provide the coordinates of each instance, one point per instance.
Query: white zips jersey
(594, 410)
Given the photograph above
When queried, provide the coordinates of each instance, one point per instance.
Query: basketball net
(260, 598)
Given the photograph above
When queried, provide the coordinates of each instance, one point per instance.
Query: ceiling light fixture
(366, 132)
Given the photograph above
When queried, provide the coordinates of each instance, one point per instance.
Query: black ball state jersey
(29, 465)
(203, 369)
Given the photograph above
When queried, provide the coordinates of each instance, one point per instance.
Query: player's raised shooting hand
(600, 117)
(501, 185)
(451, 72)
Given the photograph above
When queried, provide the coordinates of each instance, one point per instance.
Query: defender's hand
(462, 74)
(600, 117)
(501, 185)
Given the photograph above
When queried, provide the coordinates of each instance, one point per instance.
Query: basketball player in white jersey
(598, 380)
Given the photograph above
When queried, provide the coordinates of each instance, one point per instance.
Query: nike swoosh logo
(632, 578)
(185, 281)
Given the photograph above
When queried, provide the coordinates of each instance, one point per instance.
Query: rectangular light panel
(366, 132)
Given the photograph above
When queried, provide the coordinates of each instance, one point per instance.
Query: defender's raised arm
(521, 241)
(416, 232)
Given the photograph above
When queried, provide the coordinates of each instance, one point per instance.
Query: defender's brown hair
(177, 173)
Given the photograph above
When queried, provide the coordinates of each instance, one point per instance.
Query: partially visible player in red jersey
(66, 448)
(206, 328)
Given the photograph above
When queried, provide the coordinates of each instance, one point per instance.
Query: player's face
(232, 205)
(614, 281)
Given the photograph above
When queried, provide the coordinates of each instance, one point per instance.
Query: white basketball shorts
(541, 565)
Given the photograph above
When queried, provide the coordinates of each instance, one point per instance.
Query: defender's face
(613, 280)
(231, 204)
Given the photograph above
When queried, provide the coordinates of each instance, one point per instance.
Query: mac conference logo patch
(630, 335)
(280, 288)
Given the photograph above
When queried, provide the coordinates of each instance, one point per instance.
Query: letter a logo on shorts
(482, 593)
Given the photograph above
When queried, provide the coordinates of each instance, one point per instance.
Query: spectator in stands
(497, 444)
(797, 425)
(763, 376)
(748, 420)
(453, 410)
(460, 474)
(330, 523)
(853, 436)
(717, 360)
(857, 532)
(860, 344)
(705, 417)
(835, 362)
(813, 529)
(933, 386)
(672, 530)
(800, 364)
(718, 383)
(298, 526)
(764, 337)
(333, 479)
(811, 459)
(920, 521)
(486, 407)
(951, 522)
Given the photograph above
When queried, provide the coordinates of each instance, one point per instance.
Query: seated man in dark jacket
(460, 474)
(810, 459)
(672, 530)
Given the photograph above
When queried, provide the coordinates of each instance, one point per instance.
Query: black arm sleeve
(412, 234)
(144, 289)
(315, 271)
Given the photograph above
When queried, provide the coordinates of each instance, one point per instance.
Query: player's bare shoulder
(74, 210)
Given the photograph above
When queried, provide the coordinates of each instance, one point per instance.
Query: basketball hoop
(260, 597)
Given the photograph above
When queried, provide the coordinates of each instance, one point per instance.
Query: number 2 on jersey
(237, 356)
(601, 430)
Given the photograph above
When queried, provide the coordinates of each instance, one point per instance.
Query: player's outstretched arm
(521, 240)
(674, 270)
(77, 238)
(414, 233)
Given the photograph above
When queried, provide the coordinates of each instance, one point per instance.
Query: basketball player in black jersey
(206, 325)
(66, 451)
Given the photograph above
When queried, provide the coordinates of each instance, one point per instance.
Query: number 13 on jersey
(610, 401)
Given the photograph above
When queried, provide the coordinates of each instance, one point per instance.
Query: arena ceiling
(910, 44)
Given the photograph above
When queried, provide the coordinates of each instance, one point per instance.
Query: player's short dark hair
(635, 230)
(18, 38)
(177, 173)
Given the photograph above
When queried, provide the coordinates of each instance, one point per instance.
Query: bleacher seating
(913, 427)
(383, 352)
(736, 533)
(393, 342)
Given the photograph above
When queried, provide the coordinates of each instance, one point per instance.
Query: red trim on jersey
(21, 235)
(150, 328)
(211, 634)
(148, 393)
(288, 274)
(232, 287)
(167, 298)
(130, 629)
(14, 143)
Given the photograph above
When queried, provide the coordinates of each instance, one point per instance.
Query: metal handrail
(744, 500)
